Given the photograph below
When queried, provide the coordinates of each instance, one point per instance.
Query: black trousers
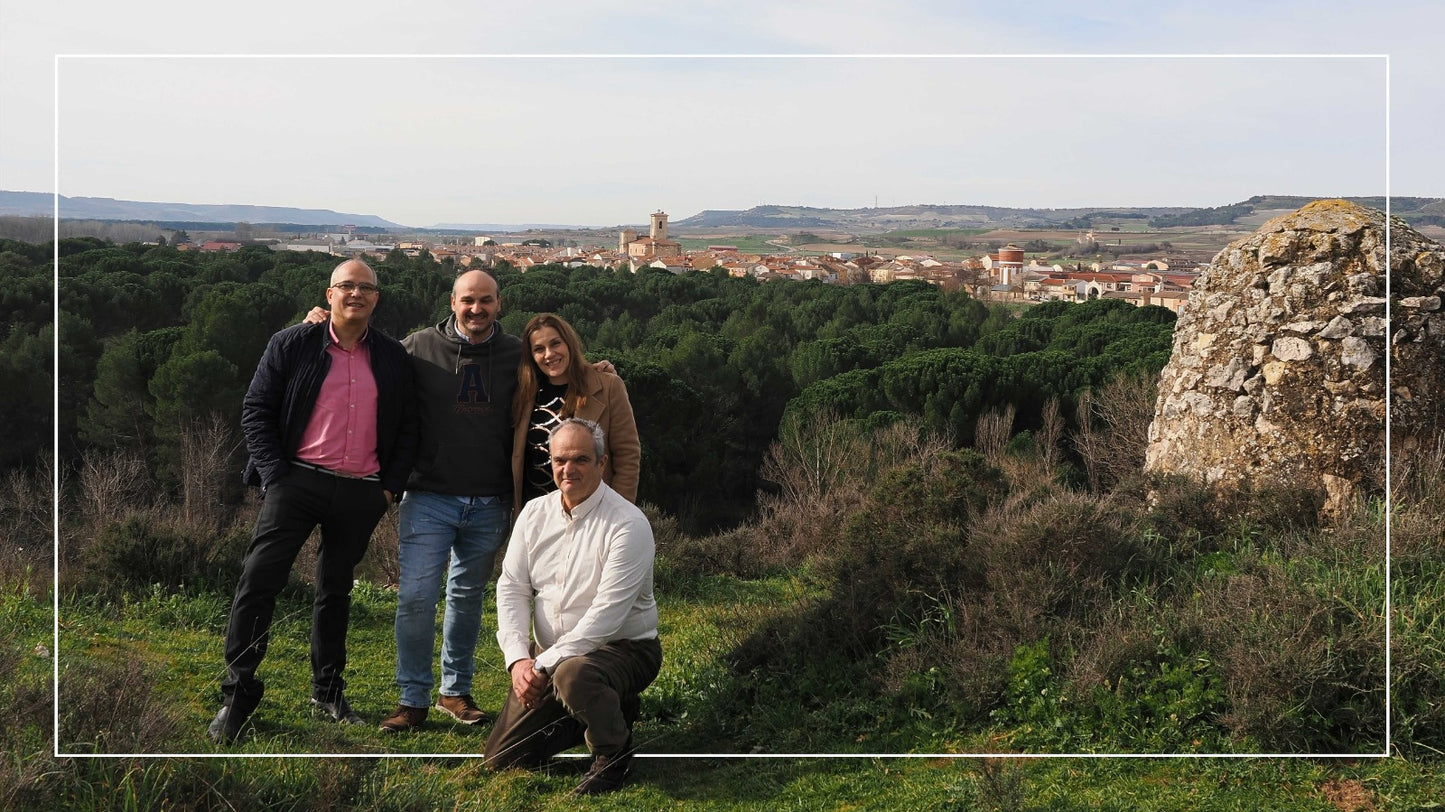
(347, 510)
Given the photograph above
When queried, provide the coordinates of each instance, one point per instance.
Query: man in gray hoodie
(457, 507)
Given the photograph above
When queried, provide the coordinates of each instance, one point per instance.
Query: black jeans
(347, 511)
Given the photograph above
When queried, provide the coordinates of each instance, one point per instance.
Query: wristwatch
(537, 667)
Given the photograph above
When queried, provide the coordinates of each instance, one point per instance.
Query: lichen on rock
(1277, 376)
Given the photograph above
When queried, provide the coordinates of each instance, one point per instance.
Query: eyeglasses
(350, 287)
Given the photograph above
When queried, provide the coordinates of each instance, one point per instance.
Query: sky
(599, 113)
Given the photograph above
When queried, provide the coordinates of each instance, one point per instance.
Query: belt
(318, 469)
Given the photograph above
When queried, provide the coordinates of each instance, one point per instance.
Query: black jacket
(284, 389)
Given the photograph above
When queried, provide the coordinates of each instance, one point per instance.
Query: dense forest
(155, 341)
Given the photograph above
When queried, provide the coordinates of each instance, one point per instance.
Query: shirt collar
(466, 339)
(331, 333)
(587, 506)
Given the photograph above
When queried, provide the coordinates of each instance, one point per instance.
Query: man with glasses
(331, 433)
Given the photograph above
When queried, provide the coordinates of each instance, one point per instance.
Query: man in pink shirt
(331, 433)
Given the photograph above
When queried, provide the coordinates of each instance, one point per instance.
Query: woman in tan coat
(555, 382)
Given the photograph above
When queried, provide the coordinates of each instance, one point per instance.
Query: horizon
(673, 219)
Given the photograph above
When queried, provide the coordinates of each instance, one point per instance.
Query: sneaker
(405, 717)
(226, 727)
(462, 709)
(337, 710)
(608, 773)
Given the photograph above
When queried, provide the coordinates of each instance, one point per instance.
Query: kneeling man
(578, 572)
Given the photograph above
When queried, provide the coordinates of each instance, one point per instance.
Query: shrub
(133, 554)
(114, 706)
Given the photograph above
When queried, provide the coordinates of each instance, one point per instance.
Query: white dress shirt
(577, 580)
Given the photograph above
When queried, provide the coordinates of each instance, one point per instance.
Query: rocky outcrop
(1278, 373)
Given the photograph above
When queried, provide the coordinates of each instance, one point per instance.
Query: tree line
(154, 341)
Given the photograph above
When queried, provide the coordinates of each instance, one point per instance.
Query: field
(1124, 238)
(155, 657)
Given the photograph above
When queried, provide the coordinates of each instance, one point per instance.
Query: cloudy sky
(597, 113)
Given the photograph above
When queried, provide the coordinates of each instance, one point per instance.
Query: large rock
(1278, 371)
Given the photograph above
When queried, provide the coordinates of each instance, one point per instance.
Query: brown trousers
(591, 698)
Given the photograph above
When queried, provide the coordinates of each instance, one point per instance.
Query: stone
(1285, 386)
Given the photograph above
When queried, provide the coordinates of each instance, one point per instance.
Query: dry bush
(894, 563)
(1297, 676)
(110, 706)
(27, 527)
(208, 480)
(1113, 430)
(1053, 558)
(824, 468)
(382, 562)
(1029, 462)
(1108, 648)
(1418, 567)
(1050, 434)
(1044, 571)
(991, 434)
(112, 484)
(1419, 494)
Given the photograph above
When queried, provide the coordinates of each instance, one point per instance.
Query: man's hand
(601, 366)
(316, 316)
(527, 684)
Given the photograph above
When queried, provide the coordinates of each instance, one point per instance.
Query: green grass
(178, 638)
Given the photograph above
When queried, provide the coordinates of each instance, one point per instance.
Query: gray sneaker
(226, 727)
(337, 710)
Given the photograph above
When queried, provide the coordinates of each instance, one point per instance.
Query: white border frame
(55, 597)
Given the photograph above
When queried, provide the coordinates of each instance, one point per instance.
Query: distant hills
(1417, 210)
(31, 204)
(1426, 209)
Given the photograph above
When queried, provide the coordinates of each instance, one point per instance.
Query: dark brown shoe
(608, 773)
(403, 718)
(462, 709)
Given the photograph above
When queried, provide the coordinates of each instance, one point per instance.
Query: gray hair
(599, 437)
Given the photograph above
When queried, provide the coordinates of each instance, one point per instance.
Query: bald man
(457, 507)
(331, 434)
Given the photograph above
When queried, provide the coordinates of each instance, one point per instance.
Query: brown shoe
(404, 717)
(462, 709)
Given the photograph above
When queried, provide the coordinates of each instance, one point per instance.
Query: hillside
(863, 221)
(31, 204)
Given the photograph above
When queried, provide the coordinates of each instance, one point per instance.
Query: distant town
(1002, 275)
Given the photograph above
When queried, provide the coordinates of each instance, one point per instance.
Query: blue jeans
(437, 529)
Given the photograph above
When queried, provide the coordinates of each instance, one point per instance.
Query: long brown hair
(529, 375)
